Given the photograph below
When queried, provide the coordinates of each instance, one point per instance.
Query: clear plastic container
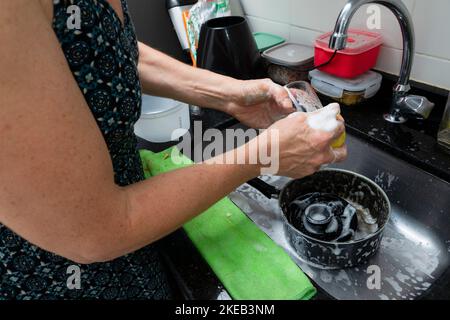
(162, 120)
(288, 62)
(349, 92)
(303, 96)
(359, 56)
(444, 131)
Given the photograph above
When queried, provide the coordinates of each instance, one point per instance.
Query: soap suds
(325, 119)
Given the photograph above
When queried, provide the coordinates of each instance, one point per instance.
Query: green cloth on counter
(249, 264)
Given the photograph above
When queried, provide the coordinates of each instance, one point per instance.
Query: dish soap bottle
(444, 131)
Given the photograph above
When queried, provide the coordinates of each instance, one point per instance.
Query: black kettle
(227, 46)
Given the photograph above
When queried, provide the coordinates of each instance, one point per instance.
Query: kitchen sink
(415, 251)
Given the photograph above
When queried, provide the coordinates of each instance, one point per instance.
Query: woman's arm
(57, 185)
(257, 103)
(165, 76)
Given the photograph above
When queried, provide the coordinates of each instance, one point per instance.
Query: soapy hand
(328, 119)
(305, 141)
(259, 103)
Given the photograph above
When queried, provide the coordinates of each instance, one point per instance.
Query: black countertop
(414, 142)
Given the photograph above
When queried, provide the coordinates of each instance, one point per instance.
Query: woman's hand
(303, 150)
(258, 103)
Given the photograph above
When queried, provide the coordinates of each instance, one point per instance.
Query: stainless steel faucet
(403, 106)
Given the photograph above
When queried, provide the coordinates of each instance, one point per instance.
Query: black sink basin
(415, 250)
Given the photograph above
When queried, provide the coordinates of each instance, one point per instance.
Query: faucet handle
(407, 106)
(417, 105)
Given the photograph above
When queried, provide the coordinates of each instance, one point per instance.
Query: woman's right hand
(304, 150)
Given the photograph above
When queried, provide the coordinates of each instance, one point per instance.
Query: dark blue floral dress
(103, 57)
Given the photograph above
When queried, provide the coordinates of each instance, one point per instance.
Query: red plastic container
(359, 56)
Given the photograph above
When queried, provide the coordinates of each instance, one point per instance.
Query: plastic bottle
(444, 131)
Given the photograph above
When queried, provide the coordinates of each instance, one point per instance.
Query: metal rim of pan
(373, 235)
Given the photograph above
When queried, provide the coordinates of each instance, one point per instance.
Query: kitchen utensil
(227, 46)
(359, 191)
(358, 57)
(347, 91)
(265, 41)
(296, 104)
(249, 264)
(289, 62)
(324, 217)
(176, 8)
(162, 120)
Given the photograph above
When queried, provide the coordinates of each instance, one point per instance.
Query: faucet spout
(338, 41)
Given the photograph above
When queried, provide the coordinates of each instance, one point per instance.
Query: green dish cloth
(249, 264)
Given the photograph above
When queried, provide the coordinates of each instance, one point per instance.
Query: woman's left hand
(259, 103)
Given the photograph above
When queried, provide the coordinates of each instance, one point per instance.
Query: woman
(72, 189)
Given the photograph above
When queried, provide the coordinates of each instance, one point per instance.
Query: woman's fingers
(281, 98)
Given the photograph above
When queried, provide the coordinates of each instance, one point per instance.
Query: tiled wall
(303, 20)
